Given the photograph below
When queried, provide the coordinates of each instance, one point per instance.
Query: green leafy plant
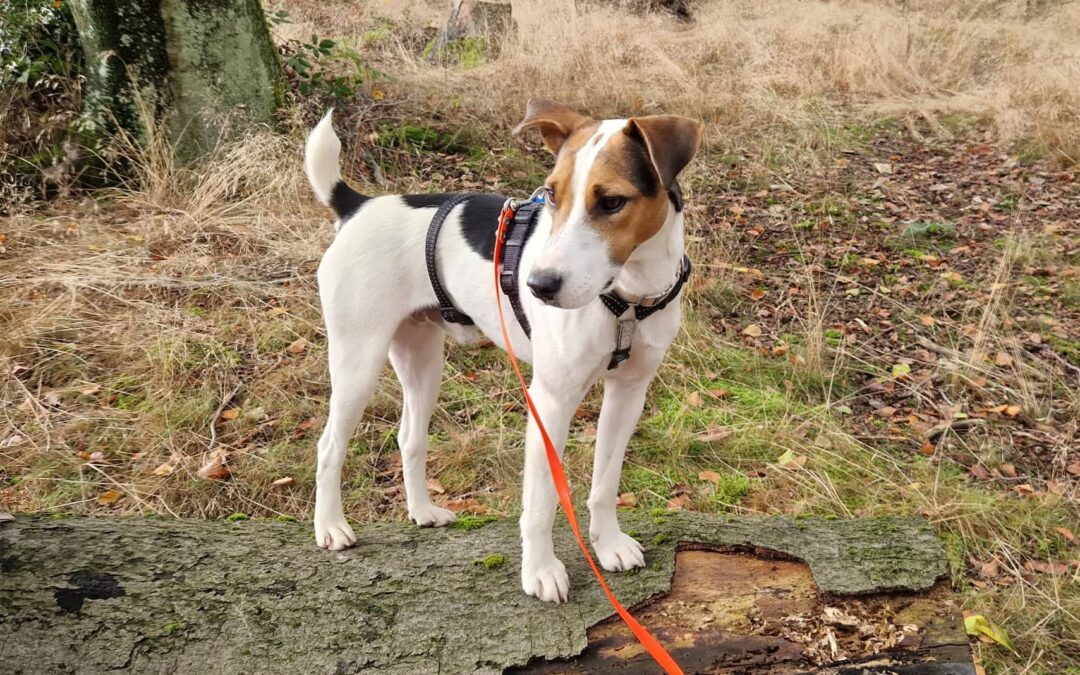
(321, 66)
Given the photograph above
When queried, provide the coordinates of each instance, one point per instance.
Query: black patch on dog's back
(479, 217)
(480, 221)
(345, 201)
(429, 200)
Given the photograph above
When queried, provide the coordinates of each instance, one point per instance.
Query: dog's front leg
(623, 402)
(542, 574)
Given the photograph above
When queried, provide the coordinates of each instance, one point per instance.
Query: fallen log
(88, 595)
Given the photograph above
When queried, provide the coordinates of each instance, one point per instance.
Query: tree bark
(183, 67)
(153, 595)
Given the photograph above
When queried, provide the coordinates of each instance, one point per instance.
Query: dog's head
(610, 191)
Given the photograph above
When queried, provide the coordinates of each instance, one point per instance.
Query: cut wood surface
(155, 595)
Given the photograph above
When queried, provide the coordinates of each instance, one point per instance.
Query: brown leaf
(714, 433)
(230, 414)
(108, 498)
(1074, 468)
(90, 390)
(757, 294)
(1002, 359)
(927, 320)
(677, 503)
(753, 330)
(710, 476)
(1066, 533)
(435, 486)
(467, 504)
(304, 426)
(885, 411)
(719, 394)
(165, 468)
(285, 481)
(979, 472)
(989, 569)
(214, 468)
(626, 500)
(694, 400)
(1025, 490)
(927, 448)
(1052, 567)
(1012, 410)
(1009, 470)
(298, 346)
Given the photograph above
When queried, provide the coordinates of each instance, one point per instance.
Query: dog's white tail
(321, 163)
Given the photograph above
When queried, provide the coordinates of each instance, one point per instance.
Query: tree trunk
(183, 67)
(153, 595)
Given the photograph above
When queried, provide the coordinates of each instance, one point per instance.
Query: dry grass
(772, 78)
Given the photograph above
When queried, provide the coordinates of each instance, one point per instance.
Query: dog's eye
(612, 203)
(549, 196)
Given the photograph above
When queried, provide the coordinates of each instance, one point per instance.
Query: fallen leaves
(1066, 534)
(285, 481)
(790, 460)
(215, 467)
(626, 500)
(978, 625)
(298, 346)
(108, 498)
(710, 476)
(753, 330)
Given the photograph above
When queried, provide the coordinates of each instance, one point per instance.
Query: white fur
(373, 281)
(577, 253)
(321, 158)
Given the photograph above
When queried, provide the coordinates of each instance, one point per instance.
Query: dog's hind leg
(356, 360)
(417, 356)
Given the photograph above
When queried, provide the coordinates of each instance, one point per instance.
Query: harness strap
(446, 306)
(521, 228)
(643, 309)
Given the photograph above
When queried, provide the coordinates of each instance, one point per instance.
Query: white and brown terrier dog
(612, 223)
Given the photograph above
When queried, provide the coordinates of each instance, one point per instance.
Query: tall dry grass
(768, 75)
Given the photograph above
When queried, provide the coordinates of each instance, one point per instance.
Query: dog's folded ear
(554, 120)
(671, 140)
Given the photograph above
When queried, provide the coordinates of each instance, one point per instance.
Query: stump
(155, 595)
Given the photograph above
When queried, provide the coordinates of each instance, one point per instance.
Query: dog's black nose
(544, 284)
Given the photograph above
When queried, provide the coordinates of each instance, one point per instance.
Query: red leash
(655, 649)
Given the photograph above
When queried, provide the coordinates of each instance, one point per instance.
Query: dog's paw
(618, 552)
(333, 533)
(547, 580)
(429, 515)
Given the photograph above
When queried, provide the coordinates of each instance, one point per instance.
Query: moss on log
(186, 67)
(154, 595)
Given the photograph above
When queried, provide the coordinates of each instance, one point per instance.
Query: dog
(612, 223)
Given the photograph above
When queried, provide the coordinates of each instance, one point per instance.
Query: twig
(376, 170)
(1060, 359)
(955, 424)
(217, 415)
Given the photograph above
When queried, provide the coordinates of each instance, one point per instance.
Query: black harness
(520, 229)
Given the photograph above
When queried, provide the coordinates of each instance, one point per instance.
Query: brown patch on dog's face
(623, 196)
